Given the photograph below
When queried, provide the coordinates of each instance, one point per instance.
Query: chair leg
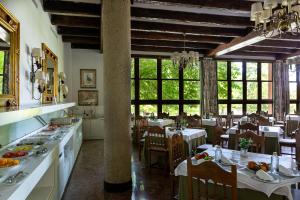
(140, 153)
(149, 160)
(172, 186)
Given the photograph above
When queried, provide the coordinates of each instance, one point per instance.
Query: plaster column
(116, 57)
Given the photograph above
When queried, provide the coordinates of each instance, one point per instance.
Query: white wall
(35, 29)
(75, 60)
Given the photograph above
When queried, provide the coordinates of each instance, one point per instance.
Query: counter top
(20, 113)
(35, 167)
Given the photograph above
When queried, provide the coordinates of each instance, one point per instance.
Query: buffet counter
(42, 174)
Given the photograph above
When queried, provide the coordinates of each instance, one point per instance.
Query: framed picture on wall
(87, 97)
(88, 78)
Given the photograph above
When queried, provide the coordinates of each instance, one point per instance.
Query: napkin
(286, 171)
(226, 160)
(264, 175)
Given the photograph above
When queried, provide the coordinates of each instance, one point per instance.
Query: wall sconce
(62, 87)
(36, 74)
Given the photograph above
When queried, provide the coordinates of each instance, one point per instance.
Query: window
(244, 87)
(157, 86)
(293, 85)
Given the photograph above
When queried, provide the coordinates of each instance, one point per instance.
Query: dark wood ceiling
(160, 26)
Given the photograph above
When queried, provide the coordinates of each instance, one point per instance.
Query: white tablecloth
(188, 133)
(244, 179)
(209, 122)
(245, 118)
(293, 117)
(269, 131)
(160, 122)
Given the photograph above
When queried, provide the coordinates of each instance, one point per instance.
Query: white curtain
(210, 89)
(281, 97)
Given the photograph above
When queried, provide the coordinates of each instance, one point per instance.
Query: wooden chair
(176, 156)
(248, 126)
(141, 125)
(156, 142)
(220, 178)
(292, 128)
(194, 123)
(258, 144)
(163, 115)
(217, 139)
(297, 138)
(263, 121)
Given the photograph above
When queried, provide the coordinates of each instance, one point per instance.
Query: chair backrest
(163, 115)
(220, 177)
(248, 126)
(297, 137)
(258, 142)
(216, 136)
(176, 151)
(141, 125)
(156, 137)
(263, 121)
(193, 122)
(291, 126)
(229, 121)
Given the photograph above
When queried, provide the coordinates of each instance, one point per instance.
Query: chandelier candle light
(185, 59)
(281, 17)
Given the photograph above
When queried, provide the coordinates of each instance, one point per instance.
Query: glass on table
(235, 156)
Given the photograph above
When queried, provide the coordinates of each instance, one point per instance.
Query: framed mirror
(9, 57)
(50, 64)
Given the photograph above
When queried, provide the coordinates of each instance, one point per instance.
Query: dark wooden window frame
(296, 101)
(244, 101)
(159, 101)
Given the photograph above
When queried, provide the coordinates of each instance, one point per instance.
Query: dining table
(160, 122)
(209, 125)
(271, 133)
(192, 138)
(249, 186)
(245, 119)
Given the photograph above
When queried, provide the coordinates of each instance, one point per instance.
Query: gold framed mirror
(50, 65)
(9, 57)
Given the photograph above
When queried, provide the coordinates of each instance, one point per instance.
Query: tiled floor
(86, 182)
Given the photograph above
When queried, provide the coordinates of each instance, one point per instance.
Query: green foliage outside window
(168, 71)
(191, 90)
(148, 68)
(173, 110)
(170, 90)
(148, 89)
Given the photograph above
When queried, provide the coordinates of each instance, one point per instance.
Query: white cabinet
(93, 128)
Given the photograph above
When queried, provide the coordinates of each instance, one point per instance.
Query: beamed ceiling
(210, 27)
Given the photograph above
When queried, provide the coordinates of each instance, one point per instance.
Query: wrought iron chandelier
(272, 16)
(185, 59)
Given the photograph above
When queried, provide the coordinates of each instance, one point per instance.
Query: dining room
(149, 99)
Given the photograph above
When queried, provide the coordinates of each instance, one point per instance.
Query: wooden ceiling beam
(178, 37)
(190, 17)
(75, 21)
(72, 8)
(259, 49)
(201, 30)
(242, 53)
(163, 49)
(81, 40)
(85, 46)
(279, 44)
(77, 31)
(165, 43)
(235, 5)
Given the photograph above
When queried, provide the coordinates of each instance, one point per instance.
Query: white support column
(116, 49)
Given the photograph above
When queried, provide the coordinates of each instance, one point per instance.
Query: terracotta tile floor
(86, 182)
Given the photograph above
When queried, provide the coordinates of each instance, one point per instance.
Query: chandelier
(184, 59)
(280, 18)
